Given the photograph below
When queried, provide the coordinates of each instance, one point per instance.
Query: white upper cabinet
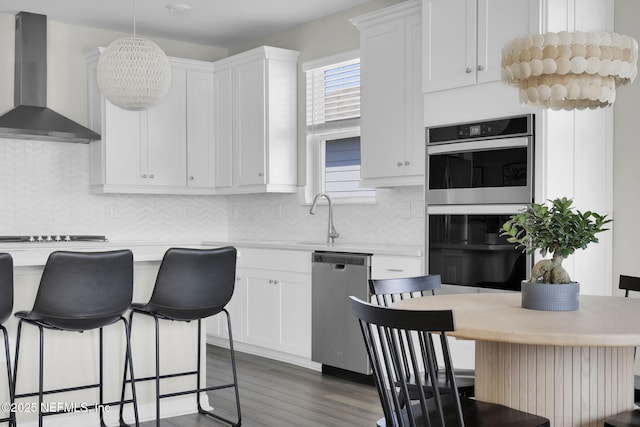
(146, 151)
(256, 121)
(463, 39)
(392, 129)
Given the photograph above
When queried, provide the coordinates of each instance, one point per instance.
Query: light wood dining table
(573, 367)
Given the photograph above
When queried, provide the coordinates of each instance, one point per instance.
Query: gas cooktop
(52, 238)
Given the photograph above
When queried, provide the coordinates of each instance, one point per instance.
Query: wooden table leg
(572, 386)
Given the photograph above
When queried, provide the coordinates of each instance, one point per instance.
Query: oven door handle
(488, 144)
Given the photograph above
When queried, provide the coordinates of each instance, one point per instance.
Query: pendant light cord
(134, 19)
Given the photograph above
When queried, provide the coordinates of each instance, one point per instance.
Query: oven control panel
(498, 128)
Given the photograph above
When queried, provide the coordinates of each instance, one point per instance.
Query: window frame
(318, 134)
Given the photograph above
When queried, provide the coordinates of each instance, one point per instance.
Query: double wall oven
(477, 175)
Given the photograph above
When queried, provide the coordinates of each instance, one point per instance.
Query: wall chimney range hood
(31, 119)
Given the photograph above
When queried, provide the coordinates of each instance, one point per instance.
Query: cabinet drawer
(275, 259)
(388, 266)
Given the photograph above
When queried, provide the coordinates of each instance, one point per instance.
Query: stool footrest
(59, 390)
(196, 390)
(180, 374)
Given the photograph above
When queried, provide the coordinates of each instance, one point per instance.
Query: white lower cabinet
(394, 266)
(271, 305)
(278, 311)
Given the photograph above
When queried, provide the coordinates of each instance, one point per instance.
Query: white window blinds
(333, 95)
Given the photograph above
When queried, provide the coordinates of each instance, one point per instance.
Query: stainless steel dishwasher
(336, 339)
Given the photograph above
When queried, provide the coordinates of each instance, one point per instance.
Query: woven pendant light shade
(133, 73)
(567, 71)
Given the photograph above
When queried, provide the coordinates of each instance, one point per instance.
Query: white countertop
(36, 254)
(369, 248)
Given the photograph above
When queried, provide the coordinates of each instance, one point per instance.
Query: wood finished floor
(275, 394)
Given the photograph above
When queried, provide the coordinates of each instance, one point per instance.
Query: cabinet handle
(191, 178)
(468, 70)
(399, 163)
(144, 175)
(151, 176)
(395, 270)
(260, 174)
(480, 68)
(407, 162)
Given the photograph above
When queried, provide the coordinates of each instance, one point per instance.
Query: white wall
(626, 175)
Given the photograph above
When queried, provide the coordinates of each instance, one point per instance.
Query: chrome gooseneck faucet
(331, 232)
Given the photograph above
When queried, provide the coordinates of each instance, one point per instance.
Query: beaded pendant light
(570, 70)
(133, 72)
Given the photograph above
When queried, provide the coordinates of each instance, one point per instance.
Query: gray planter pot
(550, 297)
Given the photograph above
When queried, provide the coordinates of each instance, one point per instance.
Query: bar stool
(192, 284)
(6, 306)
(80, 291)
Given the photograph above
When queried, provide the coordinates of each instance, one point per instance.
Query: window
(333, 128)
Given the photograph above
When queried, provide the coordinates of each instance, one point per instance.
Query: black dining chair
(6, 307)
(631, 284)
(192, 284)
(394, 339)
(80, 291)
(629, 418)
(388, 291)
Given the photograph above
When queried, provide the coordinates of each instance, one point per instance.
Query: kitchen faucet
(331, 232)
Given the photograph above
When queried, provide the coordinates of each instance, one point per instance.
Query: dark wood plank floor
(275, 394)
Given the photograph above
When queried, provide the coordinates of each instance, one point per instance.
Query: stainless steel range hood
(31, 119)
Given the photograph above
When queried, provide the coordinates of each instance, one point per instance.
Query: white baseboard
(265, 352)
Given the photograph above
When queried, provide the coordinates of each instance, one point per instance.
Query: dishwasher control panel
(341, 258)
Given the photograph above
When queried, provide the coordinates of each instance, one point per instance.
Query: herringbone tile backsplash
(44, 189)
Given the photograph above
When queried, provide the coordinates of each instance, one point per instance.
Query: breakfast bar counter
(575, 367)
(75, 355)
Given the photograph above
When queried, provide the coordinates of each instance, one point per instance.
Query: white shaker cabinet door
(166, 135)
(500, 21)
(449, 44)
(125, 160)
(200, 147)
(250, 128)
(392, 123)
(383, 129)
(223, 127)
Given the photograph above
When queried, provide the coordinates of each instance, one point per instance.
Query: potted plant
(559, 230)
